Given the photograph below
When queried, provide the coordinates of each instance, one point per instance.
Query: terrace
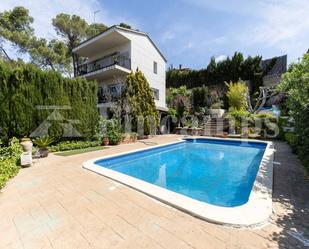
(57, 204)
(105, 66)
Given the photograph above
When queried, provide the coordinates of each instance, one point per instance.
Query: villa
(112, 55)
(130, 154)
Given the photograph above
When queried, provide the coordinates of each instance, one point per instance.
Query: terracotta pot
(27, 146)
(105, 141)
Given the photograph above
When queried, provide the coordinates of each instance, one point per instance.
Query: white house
(110, 56)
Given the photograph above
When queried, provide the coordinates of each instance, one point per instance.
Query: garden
(58, 114)
(242, 105)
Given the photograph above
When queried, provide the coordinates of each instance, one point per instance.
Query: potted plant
(42, 143)
(216, 111)
(26, 144)
(105, 141)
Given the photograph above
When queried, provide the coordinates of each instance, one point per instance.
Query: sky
(190, 32)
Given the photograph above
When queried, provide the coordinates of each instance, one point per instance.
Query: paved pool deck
(58, 204)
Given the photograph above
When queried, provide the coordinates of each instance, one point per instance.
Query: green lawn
(80, 151)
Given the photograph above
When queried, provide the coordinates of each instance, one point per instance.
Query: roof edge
(123, 29)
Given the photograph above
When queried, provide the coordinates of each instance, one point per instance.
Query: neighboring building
(274, 68)
(112, 55)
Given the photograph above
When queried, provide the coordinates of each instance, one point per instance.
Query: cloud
(276, 26)
(221, 58)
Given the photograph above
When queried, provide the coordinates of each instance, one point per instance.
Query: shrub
(237, 116)
(43, 142)
(114, 132)
(73, 145)
(179, 102)
(290, 138)
(200, 97)
(268, 123)
(217, 105)
(296, 84)
(108, 128)
(9, 161)
(137, 102)
(24, 87)
(237, 95)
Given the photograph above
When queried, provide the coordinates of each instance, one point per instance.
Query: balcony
(108, 66)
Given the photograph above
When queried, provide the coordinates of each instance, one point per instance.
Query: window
(115, 90)
(155, 67)
(155, 93)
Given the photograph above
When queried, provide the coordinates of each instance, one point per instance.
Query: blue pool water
(213, 171)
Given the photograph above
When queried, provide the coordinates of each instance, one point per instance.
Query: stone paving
(58, 204)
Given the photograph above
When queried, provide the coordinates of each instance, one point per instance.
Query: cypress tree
(24, 87)
(137, 102)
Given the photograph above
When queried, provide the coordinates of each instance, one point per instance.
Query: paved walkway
(57, 204)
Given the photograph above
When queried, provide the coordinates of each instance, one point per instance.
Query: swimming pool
(211, 172)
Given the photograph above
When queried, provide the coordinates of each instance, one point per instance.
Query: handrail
(104, 62)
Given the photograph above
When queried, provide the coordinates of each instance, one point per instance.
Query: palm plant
(42, 143)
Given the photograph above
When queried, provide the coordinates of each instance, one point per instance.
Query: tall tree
(16, 27)
(74, 29)
(124, 25)
(137, 102)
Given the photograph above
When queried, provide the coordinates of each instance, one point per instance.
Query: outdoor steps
(215, 127)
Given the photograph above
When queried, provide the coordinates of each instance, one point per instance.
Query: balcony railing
(107, 61)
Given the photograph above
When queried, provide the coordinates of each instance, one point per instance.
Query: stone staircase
(215, 127)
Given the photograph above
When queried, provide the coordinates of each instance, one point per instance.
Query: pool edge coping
(254, 213)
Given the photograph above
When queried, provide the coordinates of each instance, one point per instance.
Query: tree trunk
(7, 56)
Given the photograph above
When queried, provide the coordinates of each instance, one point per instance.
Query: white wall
(143, 54)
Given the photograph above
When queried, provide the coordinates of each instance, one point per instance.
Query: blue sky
(190, 32)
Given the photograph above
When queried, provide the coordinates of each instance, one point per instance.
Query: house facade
(110, 56)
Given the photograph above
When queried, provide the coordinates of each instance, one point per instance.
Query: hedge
(26, 91)
(73, 145)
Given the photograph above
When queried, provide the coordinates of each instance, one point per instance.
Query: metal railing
(104, 62)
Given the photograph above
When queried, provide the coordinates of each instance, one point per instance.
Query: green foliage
(43, 142)
(290, 138)
(23, 87)
(238, 116)
(179, 102)
(267, 122)
(95, 29)
(56, 54)
(172, 93)
(217, 105)
(137, 102)
(216, 73)
(16, 27)
(108, 128)
(200, 97)
(74, 29)
(124, 25)
(9, 161)
(296, 85)
(73, 145)
(237, 95)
